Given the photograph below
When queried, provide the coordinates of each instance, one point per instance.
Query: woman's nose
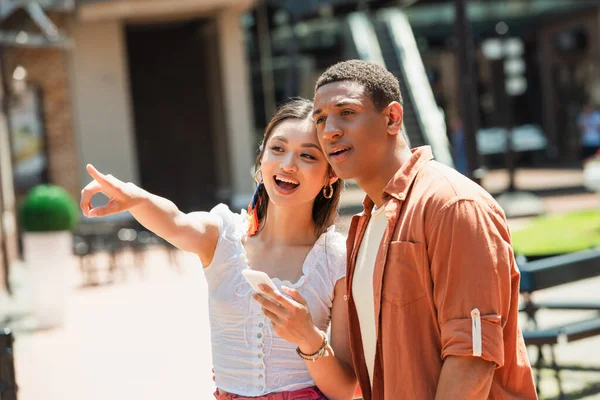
(289, 164)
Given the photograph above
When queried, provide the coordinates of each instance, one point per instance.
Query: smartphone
(255, 278)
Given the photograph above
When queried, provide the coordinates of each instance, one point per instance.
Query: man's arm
(465, 378)
(472, 267)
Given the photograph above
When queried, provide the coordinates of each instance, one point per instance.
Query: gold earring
(328, 191)
(261, 181)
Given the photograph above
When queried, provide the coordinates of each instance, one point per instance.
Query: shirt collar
(399, 186)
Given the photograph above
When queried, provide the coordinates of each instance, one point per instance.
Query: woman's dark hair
(324, 210)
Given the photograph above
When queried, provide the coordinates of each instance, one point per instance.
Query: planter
(49, 258)
(591, 175)
(48, 216)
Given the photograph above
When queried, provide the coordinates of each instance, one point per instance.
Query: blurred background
(173, 95)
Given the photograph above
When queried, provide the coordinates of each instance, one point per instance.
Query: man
(433, 288)
(589, 126)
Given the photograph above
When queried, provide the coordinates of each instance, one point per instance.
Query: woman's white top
(249, 358)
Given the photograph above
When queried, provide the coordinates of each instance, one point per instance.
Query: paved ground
(144, 339)
(148, 338)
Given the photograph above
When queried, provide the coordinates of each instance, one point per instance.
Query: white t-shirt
(362, 285)
(591, 128)
(249, 358)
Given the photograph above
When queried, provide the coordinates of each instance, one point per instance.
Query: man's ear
(395, 114)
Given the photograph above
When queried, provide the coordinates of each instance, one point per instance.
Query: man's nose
(331, 130)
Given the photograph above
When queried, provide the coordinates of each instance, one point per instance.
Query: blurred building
(560, 61)
(291, 43)
(153, 92)
(161, 92)
(8, 231)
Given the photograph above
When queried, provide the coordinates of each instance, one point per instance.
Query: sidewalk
(145, 339)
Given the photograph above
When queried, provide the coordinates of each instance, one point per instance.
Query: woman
(273, 346)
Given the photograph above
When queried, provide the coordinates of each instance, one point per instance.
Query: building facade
(161, 92)
(153, 92)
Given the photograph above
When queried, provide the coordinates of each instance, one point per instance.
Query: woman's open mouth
(285, 184)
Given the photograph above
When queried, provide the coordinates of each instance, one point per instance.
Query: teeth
(282, 179)
(338, 151)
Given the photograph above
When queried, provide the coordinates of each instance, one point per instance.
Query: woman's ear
(333, 178)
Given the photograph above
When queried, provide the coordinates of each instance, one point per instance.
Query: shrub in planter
(48, 208)
(48, 215)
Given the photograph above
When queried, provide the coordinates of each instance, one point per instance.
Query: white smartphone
(255, 278)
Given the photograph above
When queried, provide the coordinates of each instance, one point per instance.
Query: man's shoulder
(439, 186)
(445, 181)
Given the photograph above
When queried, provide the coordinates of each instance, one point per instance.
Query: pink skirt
(312, 393)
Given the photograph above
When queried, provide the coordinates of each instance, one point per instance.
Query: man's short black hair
(380, 84)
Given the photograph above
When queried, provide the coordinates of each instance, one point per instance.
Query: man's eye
(346, 112)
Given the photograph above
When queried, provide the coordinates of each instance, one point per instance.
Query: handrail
(364, 38)
(428, 115)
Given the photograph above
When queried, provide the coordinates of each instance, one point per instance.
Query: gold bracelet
(322, 352)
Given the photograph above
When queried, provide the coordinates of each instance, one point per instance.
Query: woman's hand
(122, 196)
(291, 318)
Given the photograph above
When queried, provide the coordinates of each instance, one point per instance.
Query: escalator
(413, 129)
(387, 39)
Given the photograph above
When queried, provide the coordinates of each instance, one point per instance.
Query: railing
(429, 117)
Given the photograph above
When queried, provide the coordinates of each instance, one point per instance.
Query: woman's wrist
(138, 196)
(313, 342)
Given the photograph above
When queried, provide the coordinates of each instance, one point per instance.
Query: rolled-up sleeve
(471, 262)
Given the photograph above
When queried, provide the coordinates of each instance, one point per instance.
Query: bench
(8, 384)
(114, 239)
(552, 272)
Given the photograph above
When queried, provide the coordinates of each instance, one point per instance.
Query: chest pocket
(404, 278)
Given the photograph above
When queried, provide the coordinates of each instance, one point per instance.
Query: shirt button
(260, 345)
(260, 355)
(259, 335)
(401, 195)
(261, 366)
(261, 387)
(261, 325)
(260, 376)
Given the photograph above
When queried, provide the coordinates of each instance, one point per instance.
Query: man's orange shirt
(445, 284)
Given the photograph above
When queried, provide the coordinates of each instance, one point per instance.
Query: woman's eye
(346, 112)
(276, 149)
(308, 156)
(319, 120)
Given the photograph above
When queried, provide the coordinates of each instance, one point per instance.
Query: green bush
(48, 208)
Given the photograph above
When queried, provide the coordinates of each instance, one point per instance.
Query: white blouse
(249, 358)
